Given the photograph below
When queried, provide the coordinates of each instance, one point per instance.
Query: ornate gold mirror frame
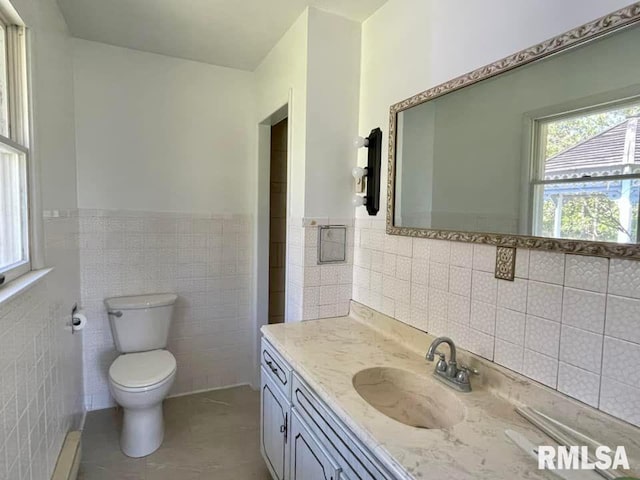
(605, 25)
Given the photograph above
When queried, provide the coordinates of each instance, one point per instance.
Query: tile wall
(205, 259)
(570, 322)
(41, 361)
(316, 291)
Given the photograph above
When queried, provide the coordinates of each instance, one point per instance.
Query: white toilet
(141, 377)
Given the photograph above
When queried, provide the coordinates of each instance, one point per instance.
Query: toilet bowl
(142, 376)
(139, 383)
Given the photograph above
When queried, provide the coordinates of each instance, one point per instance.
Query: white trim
(204, 390)
(20, 284)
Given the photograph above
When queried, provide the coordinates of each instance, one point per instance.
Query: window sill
(22, 283)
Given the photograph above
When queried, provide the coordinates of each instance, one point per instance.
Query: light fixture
(358, 200)
(360, 142)
(368, 179)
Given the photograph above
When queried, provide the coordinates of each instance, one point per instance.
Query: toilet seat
(142, 371)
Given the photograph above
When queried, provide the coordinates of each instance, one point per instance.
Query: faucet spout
(436, 343)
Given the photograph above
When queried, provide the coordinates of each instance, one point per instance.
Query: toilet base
(142, 431)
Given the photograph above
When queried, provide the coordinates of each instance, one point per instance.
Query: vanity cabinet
(275, 412)
(309, 459)
(301, 437)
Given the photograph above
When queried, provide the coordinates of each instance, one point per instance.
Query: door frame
(263, 220)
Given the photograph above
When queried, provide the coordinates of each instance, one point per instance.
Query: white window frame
(538, 139)
(19, 131)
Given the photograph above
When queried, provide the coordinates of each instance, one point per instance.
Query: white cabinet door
(274, 429)
(309, 459)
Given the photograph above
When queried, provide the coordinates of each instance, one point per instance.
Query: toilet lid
(142, 369)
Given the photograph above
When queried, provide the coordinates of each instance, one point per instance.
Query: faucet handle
(470, 370)
(442, 365)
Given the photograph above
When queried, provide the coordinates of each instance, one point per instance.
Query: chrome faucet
(449, 373)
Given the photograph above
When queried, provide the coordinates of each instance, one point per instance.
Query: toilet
(142, 375)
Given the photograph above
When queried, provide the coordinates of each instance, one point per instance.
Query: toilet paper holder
(78, 319)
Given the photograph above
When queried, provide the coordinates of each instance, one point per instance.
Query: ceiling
(231, 33)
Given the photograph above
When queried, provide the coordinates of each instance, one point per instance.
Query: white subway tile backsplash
(483, 317)
(579, 384)
(587, 273)
(623, 318)
(542, 336)
(544, 300)
(484, 258)
(420, 271)
(403, 267)
(541, 368)
(624, 278)
(460, 281)
(481, 344)
(509, 355)
(458, 309)
(510, 326)
(549, 324)
(440, 251)
(581, 349)
(421, 248)
(484, 287)
(404, 247)
(621, 360)
(513, 295)
(522, 263)
(462, 254)
(620, 400)
(546, 266)
(437, 308)
(583, 309)
(439, 276)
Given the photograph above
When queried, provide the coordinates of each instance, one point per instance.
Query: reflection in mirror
(548, 149)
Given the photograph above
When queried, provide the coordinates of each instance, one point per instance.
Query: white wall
(156, 133)
(534, 325)
(333, 74)
(41, 362)
(283, 73)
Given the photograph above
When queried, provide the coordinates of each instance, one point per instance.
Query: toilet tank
(140, 323)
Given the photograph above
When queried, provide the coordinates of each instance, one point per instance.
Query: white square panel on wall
(624, 278)
(587, 273)
(581, 348)
(623, 318)
(579, 384)
(545, 300)
(546, 266)
(584, 309)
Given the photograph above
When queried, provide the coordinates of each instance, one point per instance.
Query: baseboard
(83, 420)
(194, 392)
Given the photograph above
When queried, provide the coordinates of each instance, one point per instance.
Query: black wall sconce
(368, 179)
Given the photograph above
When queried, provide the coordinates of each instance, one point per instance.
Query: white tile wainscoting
(205, 259)
(40, 361)
(316, 291)
(570, 322)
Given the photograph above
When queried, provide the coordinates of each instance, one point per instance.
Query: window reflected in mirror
(589, 184)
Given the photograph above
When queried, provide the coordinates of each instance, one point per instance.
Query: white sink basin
(409, 398)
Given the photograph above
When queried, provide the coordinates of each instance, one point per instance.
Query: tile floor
(212, 435)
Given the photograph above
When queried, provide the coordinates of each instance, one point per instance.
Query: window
(14, 154)
(586, 175)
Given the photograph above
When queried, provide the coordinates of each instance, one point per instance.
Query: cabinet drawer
(276, 368)
(354, 458)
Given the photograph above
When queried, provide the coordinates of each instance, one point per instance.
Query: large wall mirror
(539, 150)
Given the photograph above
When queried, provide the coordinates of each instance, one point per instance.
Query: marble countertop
(327, 353)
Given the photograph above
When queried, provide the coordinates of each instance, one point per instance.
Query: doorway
(278, 221)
